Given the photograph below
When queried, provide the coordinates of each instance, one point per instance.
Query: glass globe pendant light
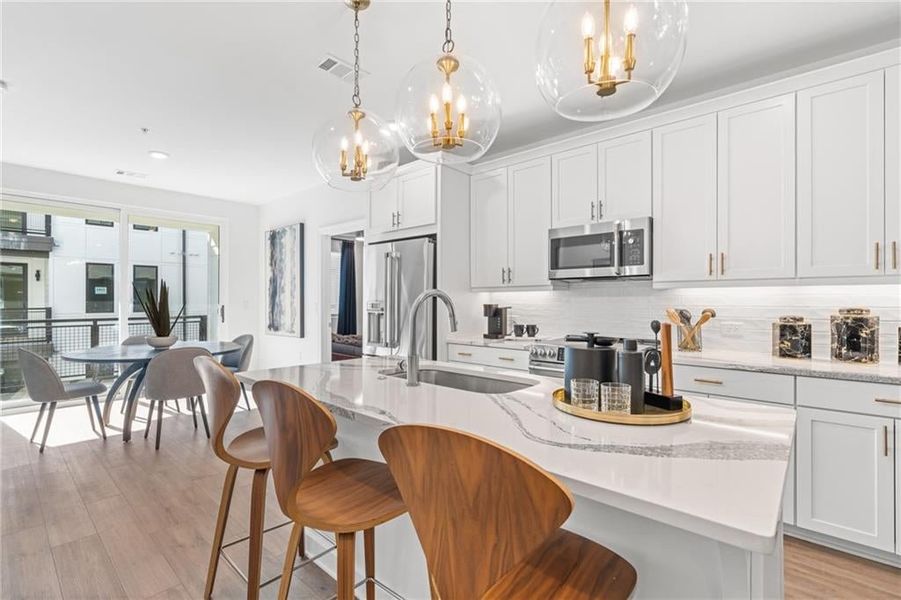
(605, 59)
(448, 110)
(355, 151)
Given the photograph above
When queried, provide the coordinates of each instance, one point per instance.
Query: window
(98, 223)
(11, 220)
(145, 277)
(99, 288)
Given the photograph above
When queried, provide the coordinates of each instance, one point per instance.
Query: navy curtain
(347, 293)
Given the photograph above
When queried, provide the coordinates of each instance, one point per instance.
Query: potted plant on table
(158, 314)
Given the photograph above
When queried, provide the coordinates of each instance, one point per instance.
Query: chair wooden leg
(47, 426)
(149, 418)
(301, 546)
(345, 572)
(159, 423)
(37, 423)
(288, 568)
(87, 404)
(193, 411)
(228, 487)
(96, 402)
(327, 457)
(369, 557)
(257, 513)
(206, 425)
(244, 391)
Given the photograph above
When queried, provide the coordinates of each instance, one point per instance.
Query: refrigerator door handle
(429, 279)
(392, 308)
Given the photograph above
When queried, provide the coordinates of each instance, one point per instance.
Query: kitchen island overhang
(710, 490)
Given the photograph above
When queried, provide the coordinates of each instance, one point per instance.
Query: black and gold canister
(855, 336)
(791, 337)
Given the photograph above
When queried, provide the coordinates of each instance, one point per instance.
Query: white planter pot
(161, 342)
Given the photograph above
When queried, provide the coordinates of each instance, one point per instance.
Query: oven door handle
(545, 371)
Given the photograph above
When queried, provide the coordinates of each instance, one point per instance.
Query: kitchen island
(695, 507)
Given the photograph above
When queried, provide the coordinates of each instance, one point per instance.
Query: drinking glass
(616, 397)
(583, 393)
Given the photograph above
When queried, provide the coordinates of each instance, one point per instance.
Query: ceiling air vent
(135, 174)
(339, 68)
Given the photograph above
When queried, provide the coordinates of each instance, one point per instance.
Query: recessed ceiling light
(158, 154)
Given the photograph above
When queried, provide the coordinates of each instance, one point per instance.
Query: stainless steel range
(546, 356)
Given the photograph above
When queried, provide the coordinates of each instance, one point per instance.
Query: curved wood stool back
(481, 512)
(298, 431)
(223, 391)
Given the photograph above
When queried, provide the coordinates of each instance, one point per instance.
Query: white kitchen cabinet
(684, 190)
(528, 187)
(488, 231)
(383, 208)
(510, 215)
(624, 177)
(574, 194)
(489, 356)
(845, 476)
(897, 486)
(756, 190)
(893, 172)
(416, 195)
(841, 193)
(409, 200)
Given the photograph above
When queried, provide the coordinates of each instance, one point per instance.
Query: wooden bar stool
(247, 450)
(489, 521)
(344, 497)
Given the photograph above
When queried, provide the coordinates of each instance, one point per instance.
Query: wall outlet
(731, 328)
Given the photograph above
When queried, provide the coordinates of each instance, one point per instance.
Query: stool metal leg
(228, 487)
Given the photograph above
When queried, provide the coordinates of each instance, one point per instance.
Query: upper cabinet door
(624, 177)
(488, 230)
(756, 190)
(684, 185)
(416, 194)
(893, 173)
(841, 199)
(383, 208)
(528, 187)
(575, 187)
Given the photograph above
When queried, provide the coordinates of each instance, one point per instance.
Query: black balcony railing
(51, 337)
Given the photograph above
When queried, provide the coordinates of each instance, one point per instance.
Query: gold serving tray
(652, 415)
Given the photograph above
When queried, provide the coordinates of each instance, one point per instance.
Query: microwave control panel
(633, 248)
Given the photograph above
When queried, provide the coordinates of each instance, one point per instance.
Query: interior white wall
(241, 229)
(316, 207)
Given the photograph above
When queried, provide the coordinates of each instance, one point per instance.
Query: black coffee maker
(497, 321)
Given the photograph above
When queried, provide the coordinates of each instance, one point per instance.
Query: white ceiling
(232, 92)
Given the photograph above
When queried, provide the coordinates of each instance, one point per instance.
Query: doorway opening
(346, 295)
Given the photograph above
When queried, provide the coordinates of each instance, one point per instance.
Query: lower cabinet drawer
(879, 399)
(501, 358)
(766, 387)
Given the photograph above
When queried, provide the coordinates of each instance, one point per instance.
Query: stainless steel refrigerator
(395, 274)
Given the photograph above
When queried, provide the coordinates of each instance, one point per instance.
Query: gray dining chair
(171, 375)
(136, 340)
(45, 386)
(239, 360)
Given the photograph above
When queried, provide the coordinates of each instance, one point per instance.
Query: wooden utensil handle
(666, 358)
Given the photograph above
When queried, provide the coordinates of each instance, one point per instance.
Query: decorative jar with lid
(791, 337)
(855, 336)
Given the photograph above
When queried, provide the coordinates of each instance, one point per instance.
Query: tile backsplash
(744, 314)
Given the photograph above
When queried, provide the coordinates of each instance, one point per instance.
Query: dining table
(134, 360)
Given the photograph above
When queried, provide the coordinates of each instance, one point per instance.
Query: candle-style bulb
(461, 104)
(630, 22)
(587, 26)
(433, 103)
(447, 94)
(344, 143)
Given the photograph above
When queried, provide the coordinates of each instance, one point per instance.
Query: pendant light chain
(448, 46)
(356, 96)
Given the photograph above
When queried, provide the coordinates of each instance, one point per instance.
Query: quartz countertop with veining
(720, 475)
(887, 371)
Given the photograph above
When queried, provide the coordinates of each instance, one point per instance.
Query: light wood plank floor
(90, 519)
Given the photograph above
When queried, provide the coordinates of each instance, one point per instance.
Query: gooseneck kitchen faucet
(412, 355)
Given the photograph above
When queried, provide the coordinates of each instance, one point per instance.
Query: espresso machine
(497, 321)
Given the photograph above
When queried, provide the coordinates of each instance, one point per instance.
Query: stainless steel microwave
(608, 249)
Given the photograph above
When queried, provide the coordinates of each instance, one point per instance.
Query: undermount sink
(469, 382)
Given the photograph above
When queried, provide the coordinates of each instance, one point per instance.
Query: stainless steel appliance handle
(392, 306)
(617, 251)
(546, 371)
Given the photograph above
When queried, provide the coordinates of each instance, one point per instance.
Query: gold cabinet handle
(507, 358)
(711, 381)
(710, 265)
(887, 401)
(464, 353)
(877, 256)
(722, 263)
(885, 439)
(895, 255)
